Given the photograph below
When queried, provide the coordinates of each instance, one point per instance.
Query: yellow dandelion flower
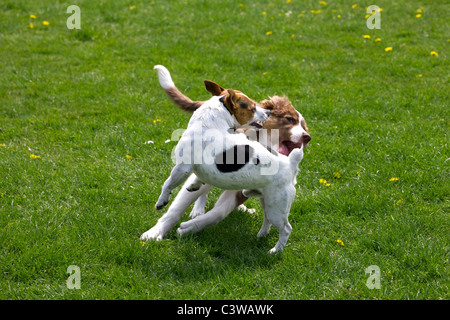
(268, 33)
(418, 15)
(322, 181)
(31, 26)
(323, 3)
(366, 36)
(339, 16)
(367, 16)
(377, 39)
(394, 179)
(157, 120)
(132, 7)
(33, 156)
(419, 75)
(434, 53)
(327, 184)
(241, 5)
(387, 49)
(264, 73)
(264, 13)
(340, 242)
(45, 23)
(32, 16)
(288, 1)
(316, 11)
(143, 243)
(292, 36)
(399, 202)
(337, 175)
(128, 157)
(419, 10)
(354, 6)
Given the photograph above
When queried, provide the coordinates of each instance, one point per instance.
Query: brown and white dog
(291, 131)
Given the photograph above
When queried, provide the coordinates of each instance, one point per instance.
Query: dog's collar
(222, 100)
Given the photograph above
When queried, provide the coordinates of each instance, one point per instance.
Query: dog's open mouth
(256, 124)
(287, 146)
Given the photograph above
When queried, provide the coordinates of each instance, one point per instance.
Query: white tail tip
(165, 80)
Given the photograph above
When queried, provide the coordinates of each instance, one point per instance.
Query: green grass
(82, 100)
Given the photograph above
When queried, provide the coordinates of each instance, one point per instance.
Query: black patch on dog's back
(234, 158)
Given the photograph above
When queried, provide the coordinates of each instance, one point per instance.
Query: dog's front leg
(227, 202)
(179, 205)
(178, 175)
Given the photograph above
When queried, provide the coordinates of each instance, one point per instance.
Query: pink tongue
(283, 150)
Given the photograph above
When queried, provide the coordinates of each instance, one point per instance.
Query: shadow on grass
(230, 246)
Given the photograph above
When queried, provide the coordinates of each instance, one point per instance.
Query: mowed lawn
(79, 177)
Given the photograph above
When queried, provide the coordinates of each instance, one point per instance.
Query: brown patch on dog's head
(284, 118)
(241, 106)
(282, 114)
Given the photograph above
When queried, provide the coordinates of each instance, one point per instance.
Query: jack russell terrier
(276, 191)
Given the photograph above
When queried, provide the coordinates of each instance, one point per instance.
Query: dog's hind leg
(284, 231)
(199, 205)
(179, 205)
(226, 203)
(178, 175)
(265, 228)
(276, 211)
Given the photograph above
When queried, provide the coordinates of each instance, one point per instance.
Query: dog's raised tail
(166, 82)
(295, 157)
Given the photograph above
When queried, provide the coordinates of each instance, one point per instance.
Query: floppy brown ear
(214, 88)
(267, 104)
(229, 100)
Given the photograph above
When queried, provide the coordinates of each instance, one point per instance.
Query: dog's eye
(243, 105)
(292, 120)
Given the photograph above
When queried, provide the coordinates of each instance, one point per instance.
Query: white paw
(187, 227)
(162, 202)
(278, 248)
(155, 233)
(243, 208)
(197, 212)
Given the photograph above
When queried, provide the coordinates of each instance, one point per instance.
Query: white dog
(251, 165)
